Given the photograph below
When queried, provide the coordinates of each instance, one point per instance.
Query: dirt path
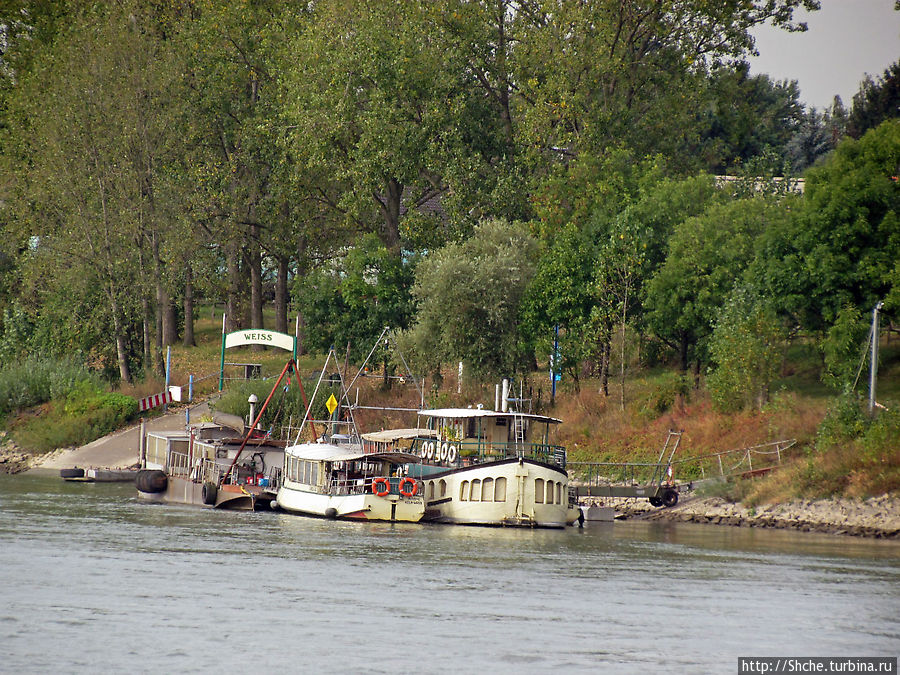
(120, 449)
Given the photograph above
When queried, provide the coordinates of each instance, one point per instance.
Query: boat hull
(365, 506)
(236, 497)
(511, 492)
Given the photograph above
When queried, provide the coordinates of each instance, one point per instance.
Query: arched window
(487, 490)
(476, 491)
(538, 490)
(464, 491)
(550, 491)
(500, 490)
(429, 491)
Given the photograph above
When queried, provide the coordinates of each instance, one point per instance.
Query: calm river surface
(94, 581)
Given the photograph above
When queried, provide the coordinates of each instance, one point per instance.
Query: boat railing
(359, 486)
(469, 452)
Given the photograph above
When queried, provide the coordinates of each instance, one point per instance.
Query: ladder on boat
(519, 433)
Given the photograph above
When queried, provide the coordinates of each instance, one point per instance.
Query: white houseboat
(342, 481)
(487, 467)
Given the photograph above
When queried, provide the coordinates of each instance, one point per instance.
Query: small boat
(221, 464)
(343, 481)
(211, 465)
(337, 476)
(92, 475)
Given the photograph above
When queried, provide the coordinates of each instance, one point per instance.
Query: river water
(95, 581)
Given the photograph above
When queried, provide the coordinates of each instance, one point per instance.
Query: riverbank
(876, 517)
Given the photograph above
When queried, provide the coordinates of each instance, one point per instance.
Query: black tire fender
(71, 473)
(208, 493)
(151, 481)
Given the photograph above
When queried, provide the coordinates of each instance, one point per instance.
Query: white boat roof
(389, 435)
(465, 413)
(326, 452)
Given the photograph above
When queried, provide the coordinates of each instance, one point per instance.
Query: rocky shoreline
(876, 517)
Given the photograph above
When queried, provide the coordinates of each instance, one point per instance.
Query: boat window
(476, 491)
(429, 491)
(538, 490)
(550, 490)
(442, 488)
(470, 428)
(487, 490)
(500, 490)
(559, 493)
(464, 491)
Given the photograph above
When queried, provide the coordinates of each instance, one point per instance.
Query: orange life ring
(413, 491)
(384, 483)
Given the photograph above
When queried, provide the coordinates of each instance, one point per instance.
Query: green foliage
(844, 421)
(469, 299)
(664, 392)
(35, 381)
(80, 417)
(843, 346)
(745, 347)
(354, 299)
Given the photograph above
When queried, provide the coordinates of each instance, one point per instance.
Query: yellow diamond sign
(331, 404)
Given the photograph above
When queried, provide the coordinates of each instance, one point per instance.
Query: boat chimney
(504, 403)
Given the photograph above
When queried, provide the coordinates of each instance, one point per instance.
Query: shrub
(38, 380)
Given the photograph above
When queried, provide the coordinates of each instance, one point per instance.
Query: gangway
(629, 479)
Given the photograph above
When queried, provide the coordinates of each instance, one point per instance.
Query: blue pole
(168, 372)
(191, 388)
(553, 362)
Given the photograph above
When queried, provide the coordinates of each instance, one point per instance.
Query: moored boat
(342, 481)
(487, 467)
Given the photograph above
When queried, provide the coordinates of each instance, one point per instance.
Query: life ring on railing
(451, 454)
(423, 452)
(413, 491)
(383, 482)
(430, 452)
(443, 452)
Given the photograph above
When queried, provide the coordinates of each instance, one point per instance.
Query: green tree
(745, 348)
(469, 298)
(706, 257)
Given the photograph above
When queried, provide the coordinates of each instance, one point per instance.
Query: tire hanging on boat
(151, 481)
(208, 493)
(71, 473)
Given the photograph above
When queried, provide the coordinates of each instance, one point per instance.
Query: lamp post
(873, 366)
(253, 400)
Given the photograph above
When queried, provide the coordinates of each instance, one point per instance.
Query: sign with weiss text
(259, 337)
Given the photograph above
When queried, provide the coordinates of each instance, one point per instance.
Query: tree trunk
(189, 306)
(683, 345)
(234, 305)
(160, 305)
(389, 232)
(256, 290)
(281, 295)
(170, 322)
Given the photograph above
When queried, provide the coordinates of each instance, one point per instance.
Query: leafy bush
(37, 380)
(86, 415)
(663, 394)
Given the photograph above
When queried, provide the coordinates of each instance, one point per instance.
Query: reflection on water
(94, 581)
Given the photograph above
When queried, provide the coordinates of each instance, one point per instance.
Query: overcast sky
(846, 39)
